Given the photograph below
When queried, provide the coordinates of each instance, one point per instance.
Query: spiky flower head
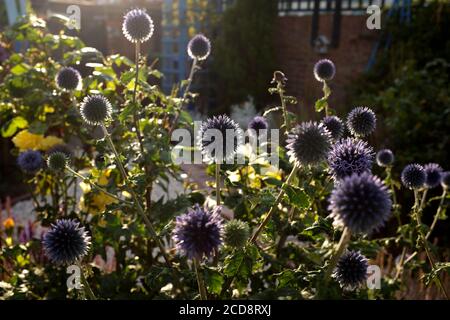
(308, 144)
(66, 242)
(236, 233)
(385, 158)
(360, 203)
(68, 78)
(198, 232)
(95, 109)
(433, 172)
(361, 121)
(30, 161)
(351, 270)
(57, 161)
(335, 126)
(219, 129)
(199, 47)
(63, 148)
(324, 70)
(137, 26)
(413, 176)
(258, 123)
(445, 181)
(349, 156)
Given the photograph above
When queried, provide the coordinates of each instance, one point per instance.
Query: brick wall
(296, 57)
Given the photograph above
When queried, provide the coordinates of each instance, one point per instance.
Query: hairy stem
(200, 281)
(137, 202)
(342, 245)
(185, 94)
(86, 287)
(217, 183)
(275, 205)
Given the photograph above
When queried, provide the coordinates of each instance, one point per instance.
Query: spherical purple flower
(360, 203)
(198, 232)
(385, 158)
(361, 121)
(137, 26)
(199, 47)
(335, 126)
(258, 125)
(445, 179)
(68, 78)
(324, 70)
(433, 172)
(351, 270)
(95, 109)
(30, 161)
(413, 176)
(308, 144)
(66, 242)
(219, 128)
(349, 156)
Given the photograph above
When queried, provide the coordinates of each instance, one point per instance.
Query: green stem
(438, 213)
(200, 281)
(287, 125)
(137, 202)
(425, 243)
(326, 95)
(185, 94)
(342, 245)
(217, 184)
(86, 287)
(94, 185)
(275, 205)
(394, 195)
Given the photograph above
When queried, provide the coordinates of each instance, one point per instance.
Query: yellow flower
(96, 203)
(26, 140)
(49, 142)
(272, 172)
(8, 223)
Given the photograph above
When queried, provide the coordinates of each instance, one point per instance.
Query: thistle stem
(137, 202)
(200, 281)
(438, 213)
(217, 183)
(425, 243)
(86, 287)
(394, 195)
(275, 205)
(326, 95)
(185, 94)
(287, 124)
(342, 245)
(94, 185)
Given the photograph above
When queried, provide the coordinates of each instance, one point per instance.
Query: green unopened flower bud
(236, 233)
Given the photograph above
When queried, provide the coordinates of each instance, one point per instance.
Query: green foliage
(244, 54)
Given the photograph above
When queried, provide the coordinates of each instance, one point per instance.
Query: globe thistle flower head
(219, 138)
(351, 270)
(308, 144)
(68, 78)
(413, 176)
(360, 203)
(445, 179)
(137, 26)
(433, 173)
(335, 126)
(258, 125)
(57, 161)
(95, 109)
(236, 233)
(198, 232)
(324, 70)
(63, 148)
(199, 47)
(385, 158)
(349, 156)
(30, 161)
(361, 121)
(66, 242)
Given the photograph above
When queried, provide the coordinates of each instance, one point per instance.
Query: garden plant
(93, 139)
